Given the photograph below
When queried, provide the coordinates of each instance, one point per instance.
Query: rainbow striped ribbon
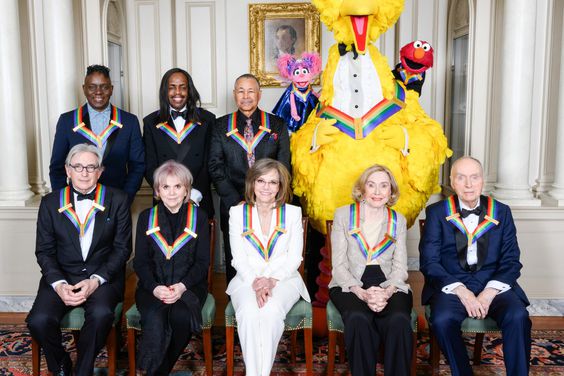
(250, 235)
(359, 128)
(373, 253)
(178, 137)
(233, 132)
(409, 78)
(302, 94)
(99, 140)
(189, 233)
(66, 208)
(453, 216)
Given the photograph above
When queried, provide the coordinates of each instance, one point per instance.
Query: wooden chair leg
(294, 342)
(111, 347)
(208, 354)
(331, 355)
(342, 350)
(435, 354)
(229, 344)
(414, 356)
(131, 337)
(478, 348)
(35, 357)
(308, 340)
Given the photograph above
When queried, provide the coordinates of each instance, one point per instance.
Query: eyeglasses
(92, 88)
(262, 183)
(79, 168)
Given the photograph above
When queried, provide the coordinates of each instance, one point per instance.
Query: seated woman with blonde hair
(266, 238)
(369, 276)
(171, 261)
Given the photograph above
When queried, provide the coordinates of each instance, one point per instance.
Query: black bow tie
(176, 114)
(343, 50)
(465, 213)
(84, 196)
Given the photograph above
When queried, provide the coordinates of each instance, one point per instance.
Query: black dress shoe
(65, 368)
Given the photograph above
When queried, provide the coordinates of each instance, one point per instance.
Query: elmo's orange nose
(418, 53)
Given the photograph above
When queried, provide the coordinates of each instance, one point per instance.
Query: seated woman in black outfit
(171, 261)
(369, 286)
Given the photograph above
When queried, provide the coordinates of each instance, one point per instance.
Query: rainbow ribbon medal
(189, 233)
(233, 132)
(359, 128)
(178, 137)
(99, 140)
(303, 95)
(488, 223)
(249, 233)
(409, 78)
(66, 208)
(373, 253)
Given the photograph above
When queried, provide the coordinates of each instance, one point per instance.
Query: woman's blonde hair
(358, 189)
(263, 167)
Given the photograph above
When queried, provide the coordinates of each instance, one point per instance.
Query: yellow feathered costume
(353, 128)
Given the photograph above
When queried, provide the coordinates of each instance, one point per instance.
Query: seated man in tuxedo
(83, 242)
(237, 141)
(470, 259)
(112, 129)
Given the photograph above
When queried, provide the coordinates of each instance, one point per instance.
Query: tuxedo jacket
(443, 247)
(124, 156)
(348, 261)
(228, 160)
(188, 265)
(58, 246)
(192, 152)
(286, 256)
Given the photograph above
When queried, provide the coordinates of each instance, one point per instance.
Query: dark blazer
(193, 152)
(228, 160)
(189, 265)
(58, 247)
(443, 252)
(124, 157)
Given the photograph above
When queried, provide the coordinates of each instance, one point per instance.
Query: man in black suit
(238, 140)
(115, 131)
(83, 242)
(180, 130)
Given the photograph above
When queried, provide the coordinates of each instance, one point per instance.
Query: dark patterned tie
(249, 134)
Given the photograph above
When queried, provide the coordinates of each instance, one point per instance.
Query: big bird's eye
(297, 72)
(426, 47)
(417, 44)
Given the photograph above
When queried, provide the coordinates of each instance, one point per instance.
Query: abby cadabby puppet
(299, 99)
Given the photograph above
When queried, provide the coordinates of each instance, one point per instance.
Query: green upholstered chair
(133, 318)
(299, 317)
(337, 327)
(469, 325)
(73, 321)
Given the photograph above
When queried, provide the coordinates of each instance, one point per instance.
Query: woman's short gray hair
(84, 148)
(172, 168)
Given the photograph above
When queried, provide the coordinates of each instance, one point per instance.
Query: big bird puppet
(365, 116)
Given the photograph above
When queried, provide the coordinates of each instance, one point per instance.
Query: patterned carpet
(547, 356)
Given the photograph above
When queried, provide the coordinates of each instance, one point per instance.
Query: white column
(516, 80)
(557, 190)
(63, 81)
(14, 187)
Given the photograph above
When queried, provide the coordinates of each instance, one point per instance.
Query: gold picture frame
(280, 28)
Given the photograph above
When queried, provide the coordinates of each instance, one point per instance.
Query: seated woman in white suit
(266, 238)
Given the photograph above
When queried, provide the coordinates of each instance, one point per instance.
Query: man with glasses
(470, 259)
(83, 243)
(114, 131)
(237, 141)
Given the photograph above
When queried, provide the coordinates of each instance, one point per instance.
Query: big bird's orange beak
(359, 12)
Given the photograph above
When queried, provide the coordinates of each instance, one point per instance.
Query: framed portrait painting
(279, 28)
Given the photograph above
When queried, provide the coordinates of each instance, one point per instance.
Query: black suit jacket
(228, 160)
(193, 152)
(124, 156)
(58, 247)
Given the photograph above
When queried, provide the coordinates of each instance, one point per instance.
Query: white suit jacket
(286, 257)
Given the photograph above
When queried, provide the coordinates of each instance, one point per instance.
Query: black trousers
(365, 329)
(47, 312)
(167, 329)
